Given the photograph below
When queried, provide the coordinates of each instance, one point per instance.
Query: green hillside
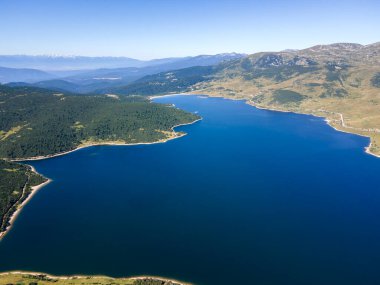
(176, 81)
(39, 122)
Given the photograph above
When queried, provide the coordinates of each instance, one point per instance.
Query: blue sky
(148, 29)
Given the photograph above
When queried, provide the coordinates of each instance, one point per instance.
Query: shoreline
(166, 95)
(175, 136)
(69, 277)
(35, 188)
(42, 157)
(19, 207)
(367, 149)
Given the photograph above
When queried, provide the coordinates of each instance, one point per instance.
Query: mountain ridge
(106, 78)
(24, 74)
(340, 82)
(62, 63)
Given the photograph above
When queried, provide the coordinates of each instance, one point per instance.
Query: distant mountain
(105, 79)
(54, 84)
(60, 63)
(24, 74)
(67, 63)
(176, 81)
(200, 60)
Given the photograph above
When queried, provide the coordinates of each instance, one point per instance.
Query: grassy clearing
(287, 96)
(5, 134)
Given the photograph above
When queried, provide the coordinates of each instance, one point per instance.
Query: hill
(23, 74)
(175, 81)
(340, 82)
(53, 84)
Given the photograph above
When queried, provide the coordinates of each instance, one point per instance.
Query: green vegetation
(43, 279)
(278, 73)
(375, 80)
(333, 76)
(287, 96)
(167, 82)
(39, 122)
(332, 91)
(16, 182)
(313, 84)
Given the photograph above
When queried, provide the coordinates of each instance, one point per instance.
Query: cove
(248, 196)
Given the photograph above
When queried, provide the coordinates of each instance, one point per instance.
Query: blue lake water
(247, 197)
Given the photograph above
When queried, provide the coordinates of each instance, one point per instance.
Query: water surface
(247, 197)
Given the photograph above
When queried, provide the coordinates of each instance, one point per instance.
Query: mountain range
(89, 77)
(340, 82)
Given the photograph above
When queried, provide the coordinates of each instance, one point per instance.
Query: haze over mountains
(320, 70)
(51, 62)
(23, 74)
(87, 74)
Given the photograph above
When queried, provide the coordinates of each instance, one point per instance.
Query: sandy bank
(19, 207)
(90, 279)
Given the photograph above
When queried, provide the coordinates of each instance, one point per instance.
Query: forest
(16, 181)
(39, 122)
(175, 81)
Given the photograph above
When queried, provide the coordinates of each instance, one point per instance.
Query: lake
(248, 196)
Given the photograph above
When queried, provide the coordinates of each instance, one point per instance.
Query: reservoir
(248, 196)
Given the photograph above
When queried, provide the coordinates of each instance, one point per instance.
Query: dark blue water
(247, 197)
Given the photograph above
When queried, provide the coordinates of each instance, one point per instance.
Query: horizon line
(202, 54)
